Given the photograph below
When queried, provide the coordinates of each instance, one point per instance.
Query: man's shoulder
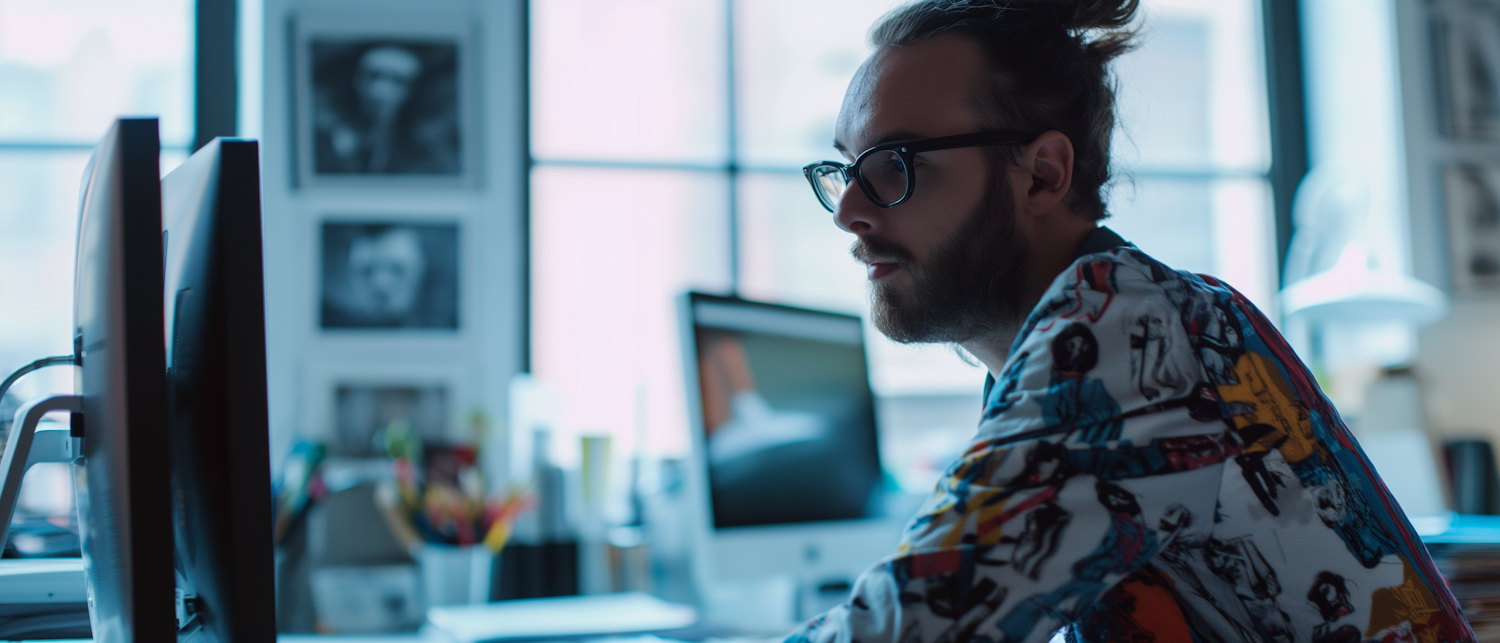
(1123, 277)
(1088, 339)
(1098, 325)
(1137, 262)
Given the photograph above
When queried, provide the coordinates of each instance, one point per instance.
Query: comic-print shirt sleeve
(1098, 438)
(1153, 464)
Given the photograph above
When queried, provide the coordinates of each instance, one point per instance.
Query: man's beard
(972, 286)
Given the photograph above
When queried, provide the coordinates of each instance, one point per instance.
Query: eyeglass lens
(884, 173)
(830, 182)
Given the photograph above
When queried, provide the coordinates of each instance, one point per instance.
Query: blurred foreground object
(1467, 552)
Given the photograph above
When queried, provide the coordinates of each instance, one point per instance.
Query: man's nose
(855, 213)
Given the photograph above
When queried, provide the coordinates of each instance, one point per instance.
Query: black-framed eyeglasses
(883, 171)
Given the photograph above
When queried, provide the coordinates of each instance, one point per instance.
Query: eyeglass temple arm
(963, 140)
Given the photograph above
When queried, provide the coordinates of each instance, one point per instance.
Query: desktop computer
(169, 436)
(786, 474)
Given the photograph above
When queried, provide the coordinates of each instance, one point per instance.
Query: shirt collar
(1102, 239)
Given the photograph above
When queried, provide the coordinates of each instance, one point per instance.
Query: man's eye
(894, 163)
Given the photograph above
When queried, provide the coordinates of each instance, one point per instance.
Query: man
(377, 124)
(389, 280)
(1153, 462)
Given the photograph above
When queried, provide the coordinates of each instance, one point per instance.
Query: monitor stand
(27, 446)
(760, 605)
(818, 596)
(774, 603)
(39, 597)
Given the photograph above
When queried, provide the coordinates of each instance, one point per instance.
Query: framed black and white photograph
(387, 102)
(1468, 59)
(351, 401)
(365, 414)
(390, 275)
(1472, 196)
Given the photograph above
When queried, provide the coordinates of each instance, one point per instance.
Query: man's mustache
(866, 250)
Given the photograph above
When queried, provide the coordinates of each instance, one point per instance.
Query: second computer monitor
(216, 359)
(785, 443)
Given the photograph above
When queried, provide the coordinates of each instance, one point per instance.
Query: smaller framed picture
(390, 274)
(1468, 60)
(1472, 195)
(364, 413)
(385, 100)
(352, 403)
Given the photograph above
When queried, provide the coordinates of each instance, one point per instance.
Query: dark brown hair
(1051, 62)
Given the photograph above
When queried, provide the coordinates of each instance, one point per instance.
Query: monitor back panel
(221, 476)
(121, 481)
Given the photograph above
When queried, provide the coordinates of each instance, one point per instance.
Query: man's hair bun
(1079, 20)
(1080, 15)
(1053, 57)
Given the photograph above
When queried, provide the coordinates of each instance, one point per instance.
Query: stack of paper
(555, 618)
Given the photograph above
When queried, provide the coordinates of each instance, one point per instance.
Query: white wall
(478, 360)
(1458, 358)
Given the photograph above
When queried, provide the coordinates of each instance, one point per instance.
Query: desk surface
(420, 638)
(311, 638)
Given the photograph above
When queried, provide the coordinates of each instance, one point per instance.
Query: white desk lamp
(1359, 286)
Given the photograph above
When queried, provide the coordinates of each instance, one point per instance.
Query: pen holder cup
(455, 574)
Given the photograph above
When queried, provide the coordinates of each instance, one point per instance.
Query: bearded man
(1178, 453)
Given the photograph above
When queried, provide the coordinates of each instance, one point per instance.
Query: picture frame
(352, 403)
(1467, 61)
(1471, 194)
(387, 273)
(385, 99)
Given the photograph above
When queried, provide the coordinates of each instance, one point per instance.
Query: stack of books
(1467, 552)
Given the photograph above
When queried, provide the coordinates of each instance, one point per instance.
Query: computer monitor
(216, 358)
(786, 464)
(122, 480)
(173, 483)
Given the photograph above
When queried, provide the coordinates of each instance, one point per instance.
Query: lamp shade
(1353, 291)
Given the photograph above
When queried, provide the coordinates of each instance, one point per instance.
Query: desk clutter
(1466, 549)
(383, 544)
(371, 544)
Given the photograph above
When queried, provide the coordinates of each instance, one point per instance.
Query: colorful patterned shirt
(1153, 465)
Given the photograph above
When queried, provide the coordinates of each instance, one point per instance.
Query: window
(1192, 153)
(69, 67)
(668, 137)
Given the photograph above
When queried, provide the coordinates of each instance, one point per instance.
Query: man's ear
(1049, 160)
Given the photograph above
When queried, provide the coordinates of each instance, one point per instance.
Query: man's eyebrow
(888, 137)
(898, 135)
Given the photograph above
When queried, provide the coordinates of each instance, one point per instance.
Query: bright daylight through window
(68, 68)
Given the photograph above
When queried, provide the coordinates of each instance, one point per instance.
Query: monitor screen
(785, 414)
